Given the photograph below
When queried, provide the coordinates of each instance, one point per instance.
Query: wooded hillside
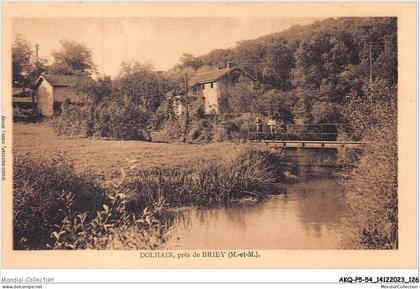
(308, 70)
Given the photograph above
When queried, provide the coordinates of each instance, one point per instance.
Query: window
(202, 86)
(211, 84)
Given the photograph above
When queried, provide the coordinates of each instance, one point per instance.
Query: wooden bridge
(304, 136)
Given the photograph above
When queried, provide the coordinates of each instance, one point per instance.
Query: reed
(249, 173)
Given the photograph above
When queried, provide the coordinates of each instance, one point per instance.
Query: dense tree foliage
(319, 64)
(139, 84)
(21, 57)
(72, 59)
(191, 61)
(238, 98)
(121, 108)
(277, 104)
(26, 68)
(304, 73)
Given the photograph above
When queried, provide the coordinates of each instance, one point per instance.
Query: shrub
(75, 120)
(237, 98)
(231, 130)
(38, 186)
(113, 227)
(123, 108)
(275, 103)
(173, 130)
(209, 129)
(111, 119)
(373, 174)
(121, 121)
(201, 131)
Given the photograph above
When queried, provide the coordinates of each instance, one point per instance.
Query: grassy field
(107, 157)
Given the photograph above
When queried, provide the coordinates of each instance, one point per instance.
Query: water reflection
(307, 216)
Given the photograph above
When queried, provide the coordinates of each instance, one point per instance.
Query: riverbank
(60, 202)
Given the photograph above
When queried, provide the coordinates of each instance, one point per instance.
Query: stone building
(206, 87)
(53, 90)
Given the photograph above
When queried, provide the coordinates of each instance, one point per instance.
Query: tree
(21, 61)
(250, 55)
(97, 90)
(191, 61)
(218, 57)
(236, 98)
(26, 69)
(318, 63)
(275, 103)
(279, 62)
(72, 59)
(140, 85)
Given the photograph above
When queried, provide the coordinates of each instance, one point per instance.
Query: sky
(159, 41)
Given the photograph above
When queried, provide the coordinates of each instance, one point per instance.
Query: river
(309, 214)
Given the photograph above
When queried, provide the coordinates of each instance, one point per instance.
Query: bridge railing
(297, 132)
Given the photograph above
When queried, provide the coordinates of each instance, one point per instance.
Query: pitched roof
(63, 80)
(214, 75)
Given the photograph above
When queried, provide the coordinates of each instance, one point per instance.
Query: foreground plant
(37, 203)
(112, 228)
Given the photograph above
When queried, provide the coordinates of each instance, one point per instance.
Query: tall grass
(250, 173)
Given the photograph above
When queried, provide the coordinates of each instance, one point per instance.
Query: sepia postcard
(209, 135)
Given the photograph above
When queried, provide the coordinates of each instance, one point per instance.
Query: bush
(121, 121)
(173, 130)
(115, 120)
(74, 120)
(209, 129)
(123, 108)
(38, 187)
(235, 129)
(373, 174)
(275, 103)
(201, 131)
(237, 98)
